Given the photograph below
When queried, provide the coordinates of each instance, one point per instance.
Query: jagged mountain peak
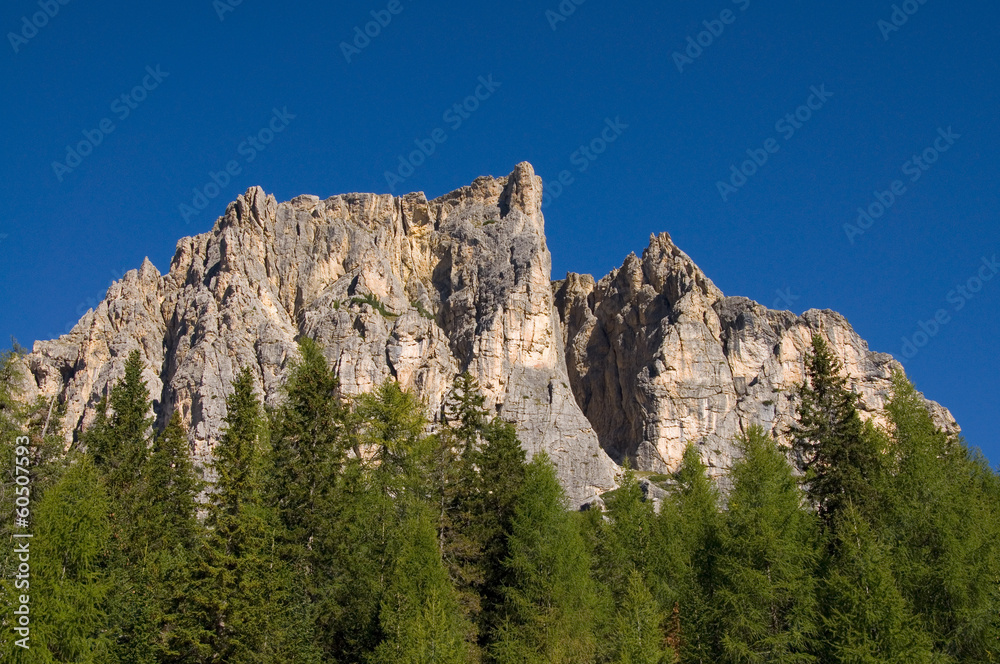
(635, 365)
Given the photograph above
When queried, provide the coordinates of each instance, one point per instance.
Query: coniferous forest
(345, 529)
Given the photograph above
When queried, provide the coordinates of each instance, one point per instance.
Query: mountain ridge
(632, 366)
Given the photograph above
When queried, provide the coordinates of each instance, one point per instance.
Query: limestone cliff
(659, 358)
(401, 288)
(636, 366)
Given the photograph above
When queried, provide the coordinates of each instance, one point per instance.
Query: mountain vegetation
(348, 530)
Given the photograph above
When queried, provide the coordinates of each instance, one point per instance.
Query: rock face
(403, 288)
(659, 358)
(635, 366)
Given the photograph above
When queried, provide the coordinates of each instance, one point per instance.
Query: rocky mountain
(635, 366)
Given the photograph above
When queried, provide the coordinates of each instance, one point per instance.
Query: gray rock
(463, 283)
(659, 358)
(651, 358)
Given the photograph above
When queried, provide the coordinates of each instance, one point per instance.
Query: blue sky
(206, 84)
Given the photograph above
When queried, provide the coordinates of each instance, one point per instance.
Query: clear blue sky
(782, 230)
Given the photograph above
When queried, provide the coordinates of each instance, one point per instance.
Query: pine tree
(765, 597)
(120, 446)
(355, 546)
(420, 617)
(69, 588)
(943, 521)
(866, 620)
(242, 596)
(551, 600)
(308, 445)
(170, 489)
(684, 559)
(502, 466)
(840, 454)
(464, 411)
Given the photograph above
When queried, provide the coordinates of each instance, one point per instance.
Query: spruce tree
(390, 466)
(355, 546)
(464, 412)
(459, 494)
(308, 445)
(502, 465)
(243, 594)
(119, 443)
(420, 617)
(839, 453)
(120, 446)
(170, 488)
(551, 600)
(765, 597)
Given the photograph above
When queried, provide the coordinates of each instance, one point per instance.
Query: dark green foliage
(624, 543)
(372, 300)
(119, 441)
(769, 551)
(243, 595)
(464, 412)
(501, 465)
(867, 619)
(840, 454)
(170, 485)
(346, 531)
(309, 442)
(418, 305)
(551, 600)
(357, 564)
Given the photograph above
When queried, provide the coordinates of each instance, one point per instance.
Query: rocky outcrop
(402, 288)
(636, 366)
(659, 358)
